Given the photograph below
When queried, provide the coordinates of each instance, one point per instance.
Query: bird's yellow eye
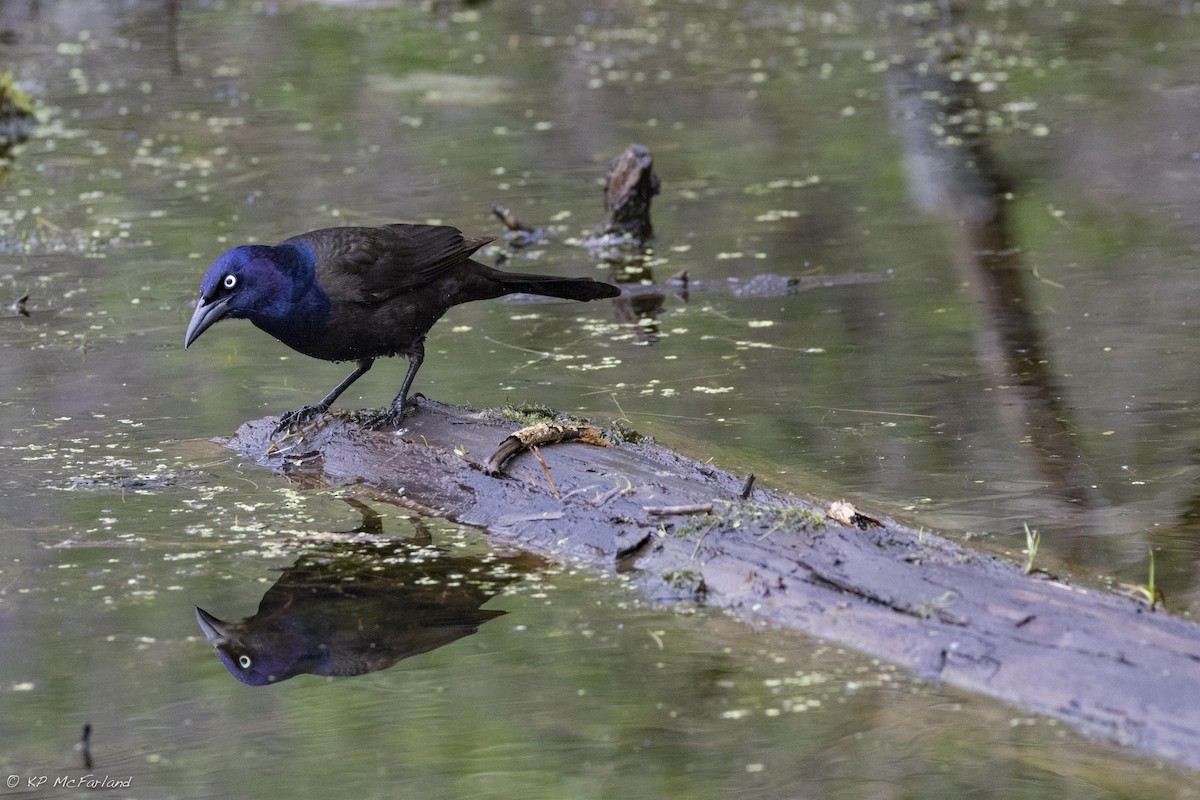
(244, 661)
(230, 281)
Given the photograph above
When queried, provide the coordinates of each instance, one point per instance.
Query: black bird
(348, 609)
(357, 294)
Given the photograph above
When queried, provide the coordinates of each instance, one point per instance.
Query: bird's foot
(294, 419)
(393, 417)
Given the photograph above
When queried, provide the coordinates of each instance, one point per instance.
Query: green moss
(686, 581)
(701, 524)
(16, 113)
(763, 518)
(623, 432)
(13, 101)
(528, 413)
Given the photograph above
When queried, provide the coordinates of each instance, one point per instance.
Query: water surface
(1018, 183)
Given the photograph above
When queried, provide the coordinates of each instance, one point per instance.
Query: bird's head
(252, 282)
(243, 660)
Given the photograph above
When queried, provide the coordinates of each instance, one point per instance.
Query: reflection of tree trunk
(173, 37)
(1010, 347)
(952, 172)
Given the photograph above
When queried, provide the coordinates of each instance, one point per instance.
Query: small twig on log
(601, 499)
(666, 511)
(541, 434)
(580, 490)
(538, 455)
(747, 487)
(541, 516)
(699, 542)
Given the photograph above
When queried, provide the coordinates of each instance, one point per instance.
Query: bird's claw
(383, 421)
(392, 417)
(294, 419)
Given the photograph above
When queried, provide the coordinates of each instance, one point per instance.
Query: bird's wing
(370, 265)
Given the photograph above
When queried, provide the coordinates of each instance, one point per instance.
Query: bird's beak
(207, 313)
(214, 629)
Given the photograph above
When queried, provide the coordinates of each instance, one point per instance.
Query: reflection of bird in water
(350, 609)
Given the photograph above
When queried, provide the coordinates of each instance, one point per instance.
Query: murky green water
(1030, 356)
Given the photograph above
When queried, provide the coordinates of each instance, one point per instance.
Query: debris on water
(520, 234)
(125, 483)
(85, 745)
(18, 306)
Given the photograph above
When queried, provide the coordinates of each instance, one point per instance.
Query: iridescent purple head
(253, 282)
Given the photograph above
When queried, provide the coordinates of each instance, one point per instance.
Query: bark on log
(1100, 662)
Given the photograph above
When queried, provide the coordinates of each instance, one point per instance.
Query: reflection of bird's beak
(214, 629)
(207, 313)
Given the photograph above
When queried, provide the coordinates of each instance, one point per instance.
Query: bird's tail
(552, 286)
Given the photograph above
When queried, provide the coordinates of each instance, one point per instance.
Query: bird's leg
(301, 415)
(395, 413)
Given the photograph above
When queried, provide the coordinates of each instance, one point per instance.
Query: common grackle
(357, 294)
(348, 609)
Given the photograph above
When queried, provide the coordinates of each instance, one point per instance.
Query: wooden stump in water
(631, 186)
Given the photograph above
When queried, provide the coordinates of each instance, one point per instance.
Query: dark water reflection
(993, 221)
(954, 172)
(349, 608)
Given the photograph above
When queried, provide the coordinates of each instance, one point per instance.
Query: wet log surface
(1101, 662)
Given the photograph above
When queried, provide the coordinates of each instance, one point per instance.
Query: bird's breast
(353, 331)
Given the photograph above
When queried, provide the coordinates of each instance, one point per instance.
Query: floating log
(1101, 662)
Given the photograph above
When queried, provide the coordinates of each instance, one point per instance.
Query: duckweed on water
(240, 144)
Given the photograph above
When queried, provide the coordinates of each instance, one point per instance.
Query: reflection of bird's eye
(230, 281)
(244, 662)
